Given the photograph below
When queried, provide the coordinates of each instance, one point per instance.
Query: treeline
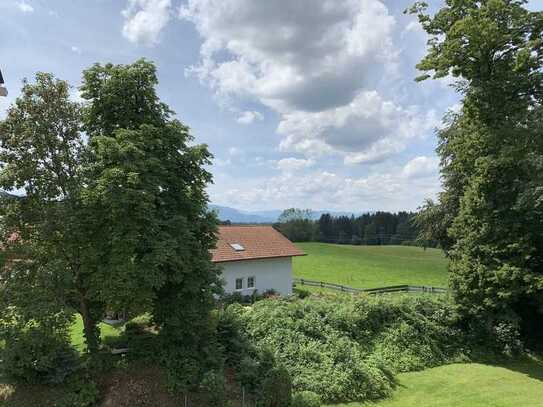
(378, 228)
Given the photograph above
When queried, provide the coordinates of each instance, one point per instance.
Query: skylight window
(237, 247)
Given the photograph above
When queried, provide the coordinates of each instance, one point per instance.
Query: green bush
(411, 333)
(213, 388)
(276, 388)
(32, 356)
(305, 399)
(495, 338)
(343, 348)
(349, 348)
(301, 293)
(83, 392)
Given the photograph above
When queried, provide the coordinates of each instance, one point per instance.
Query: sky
(306, 103)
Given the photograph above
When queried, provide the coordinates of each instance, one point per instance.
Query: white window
(239, 283)
(250, 282)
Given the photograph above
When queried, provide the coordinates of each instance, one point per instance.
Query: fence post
(322, 284)
(302, 281)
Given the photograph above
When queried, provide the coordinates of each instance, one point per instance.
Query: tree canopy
(114, 215)
(489, 215)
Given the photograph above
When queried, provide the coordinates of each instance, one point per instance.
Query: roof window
(237, 247)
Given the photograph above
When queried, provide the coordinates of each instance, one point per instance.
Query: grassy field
(371, 266)
(468, 385)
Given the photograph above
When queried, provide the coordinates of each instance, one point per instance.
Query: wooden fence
(381, 290)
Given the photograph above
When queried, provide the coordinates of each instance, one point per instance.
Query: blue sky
(309, 103)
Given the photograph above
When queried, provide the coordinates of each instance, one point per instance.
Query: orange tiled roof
(259, 242)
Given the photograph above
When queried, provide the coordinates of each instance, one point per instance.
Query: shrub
(411, 333)
(32, 356)
(142, 345)
(305, 399)
(301, 293)
(349, 348)
(213, 387)
(276, 388)
(343, 348)
(494, 338)
(83, 392)
(317, 353)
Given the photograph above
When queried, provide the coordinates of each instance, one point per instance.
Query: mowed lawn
(468, 385)
(371, 266)
(76, 333)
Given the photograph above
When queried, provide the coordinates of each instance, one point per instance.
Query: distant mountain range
(239, 216)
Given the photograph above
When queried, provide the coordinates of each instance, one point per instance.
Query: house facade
(255, 258)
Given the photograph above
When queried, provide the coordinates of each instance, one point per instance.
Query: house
(255, 258)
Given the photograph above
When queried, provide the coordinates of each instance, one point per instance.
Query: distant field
(468, 385)
(371, 266)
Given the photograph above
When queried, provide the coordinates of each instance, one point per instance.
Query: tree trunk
(90, 329)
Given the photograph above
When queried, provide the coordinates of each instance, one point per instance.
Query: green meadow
(371, 266)
(468, 385)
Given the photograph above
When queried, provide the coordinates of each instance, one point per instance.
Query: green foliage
(318, 355)
(276, 388)
(30, 355)
(42, 151)
(82, 391)
(143, 344)
(297, 225)
(305, 399)
(413, 333)
(115, 212)
(213, 387)
(350, 348)
(379, 228)
(147, 170)
(492, 157)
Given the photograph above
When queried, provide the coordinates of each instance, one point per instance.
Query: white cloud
(75, 95)
(319, 65)
(369, 129)
(292, 164)
(297, 55)
(25, 7)
(76, 50)
(421, 167)
(145, 19)
(234, 151)
(413, 26)
(320, 189)
(249, 117)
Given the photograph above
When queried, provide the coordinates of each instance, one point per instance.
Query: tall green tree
(115, 210)
(42, 151)
(489, 215)
(147, 181)
(297, 224)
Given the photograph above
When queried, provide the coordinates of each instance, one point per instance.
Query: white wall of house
(268, 274)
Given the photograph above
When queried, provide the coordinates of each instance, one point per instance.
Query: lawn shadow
(531, 366)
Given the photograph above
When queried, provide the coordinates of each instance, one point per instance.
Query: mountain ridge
(234, 215)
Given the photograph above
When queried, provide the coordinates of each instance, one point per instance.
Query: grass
(469, 385)
(76, 333)
(371, 266)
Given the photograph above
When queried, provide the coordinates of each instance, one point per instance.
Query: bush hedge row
(344, 348)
